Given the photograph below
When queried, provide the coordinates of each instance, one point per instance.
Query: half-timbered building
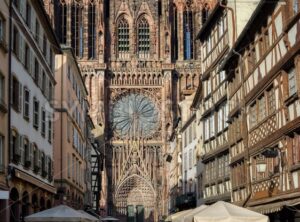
(263, 73)
(217, 35)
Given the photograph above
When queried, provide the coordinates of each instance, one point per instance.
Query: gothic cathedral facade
(139, 59)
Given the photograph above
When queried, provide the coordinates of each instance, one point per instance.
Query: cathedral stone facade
(139, 60)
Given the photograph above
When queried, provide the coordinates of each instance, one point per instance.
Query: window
(262, 108)
(220, 120)
(292, 81)
(44, 45)
(92, 30)
(43, 130)
(188, 34)
(212, 126)
(36, 71)
(49, 130)
(35, 113)
(76, 29)
(44, 82)
(185, 159)
(36, 159)
(143, 36)
(123, 35)
(2, 89)
(271, 101)
(27, 57)
(2, 29)
(43, 160)
(295, 142)
(253, 115)
(26, 103)
(295, 6)
(64, 24)
(37, 30)
(190, 159)
(50, 91)
(28, 15)
(25, 152)
(49, 168)
(208, 86)
(16, 41)
(16, 95)
(14, 149)
(2, 153)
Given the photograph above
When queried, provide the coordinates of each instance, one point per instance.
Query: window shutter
(23, 8)
(21, 149)
(11, 148)
(21, 49)
(285, 88)
(39, 159)
(32, 61)
(20, 97)
(33, 18)
(47, 88)
(46, 164)
(18, 145)
(30, 158)
(40, 77)
(30, 68)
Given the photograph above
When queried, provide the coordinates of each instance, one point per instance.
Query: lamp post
(271, 152)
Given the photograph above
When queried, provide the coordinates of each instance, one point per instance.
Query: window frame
(36, 110)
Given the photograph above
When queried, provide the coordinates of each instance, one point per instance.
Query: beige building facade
(72, 145)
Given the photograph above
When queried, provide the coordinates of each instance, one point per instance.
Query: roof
(70, 50)
(211, 19)
(49, 27)
(245, 32)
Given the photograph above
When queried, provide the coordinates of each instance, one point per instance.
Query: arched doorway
(14, 205)
(34, 203)
(25, 205)
(49, 205)
(42, 204)
(136, 199)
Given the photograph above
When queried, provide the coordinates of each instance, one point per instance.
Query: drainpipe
(61, 129)
(233, 20)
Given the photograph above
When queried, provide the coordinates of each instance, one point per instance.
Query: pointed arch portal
(136, 194)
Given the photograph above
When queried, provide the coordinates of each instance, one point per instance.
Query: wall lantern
(261, 166)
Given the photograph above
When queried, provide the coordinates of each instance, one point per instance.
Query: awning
(177, 215)
(61, 213)
(274, 207)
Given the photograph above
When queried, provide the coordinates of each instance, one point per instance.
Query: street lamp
(271, 152)
(261, 165)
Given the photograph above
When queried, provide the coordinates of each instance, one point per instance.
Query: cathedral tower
(138, 58)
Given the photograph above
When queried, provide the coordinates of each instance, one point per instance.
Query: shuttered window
(292, 81)
(26, 103)
(36, 106)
